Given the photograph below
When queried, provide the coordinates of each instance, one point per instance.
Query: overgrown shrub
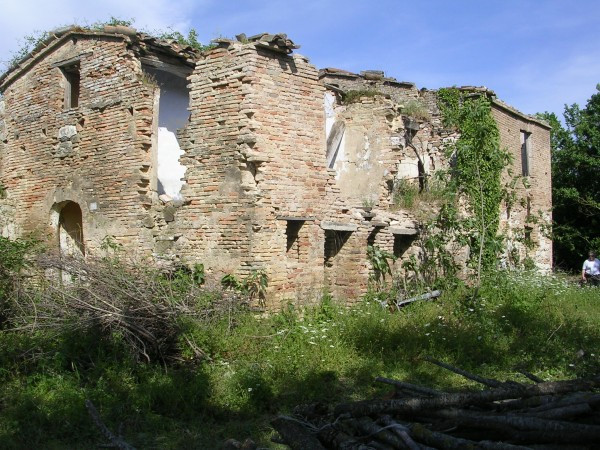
(416, 110)
(148, 309)
(354, 96)
(14, 257)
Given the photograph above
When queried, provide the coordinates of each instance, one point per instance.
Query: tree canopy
(576, 182)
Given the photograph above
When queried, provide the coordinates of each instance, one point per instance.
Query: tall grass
(260, 366)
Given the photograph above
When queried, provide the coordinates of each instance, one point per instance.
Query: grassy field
(259, 367)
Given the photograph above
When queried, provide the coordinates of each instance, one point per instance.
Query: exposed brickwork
(533, 205)
(258, 194)
(96, 155)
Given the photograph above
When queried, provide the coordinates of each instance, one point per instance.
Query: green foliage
(230, 281)
(354, 96)
(113, 22)
(380, 262)
(254, 285)
(408, 195)
(14, 257)
(476, 175)
(416, 109)
(259, 367)
(191, 40)
(575, 182)
(32, 41)
(405, 194)
(28, 43)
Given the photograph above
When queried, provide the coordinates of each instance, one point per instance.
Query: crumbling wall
(7, 208)
(256, 169)
(95, 154)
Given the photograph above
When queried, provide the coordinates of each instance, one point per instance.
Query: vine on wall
(476, 171)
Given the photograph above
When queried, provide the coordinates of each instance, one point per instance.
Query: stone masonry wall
(96, 154)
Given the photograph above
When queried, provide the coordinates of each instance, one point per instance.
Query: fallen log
(447, 442)
(370, 407)
(549, 430)
(485, 381)
(409, 387)
(296, 435)
(428, 296)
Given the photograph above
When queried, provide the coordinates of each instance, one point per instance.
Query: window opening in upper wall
(72, 79)
(525, 153)
(173, 116)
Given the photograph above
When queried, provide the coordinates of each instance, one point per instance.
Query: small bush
(416, 110)
(354, 96)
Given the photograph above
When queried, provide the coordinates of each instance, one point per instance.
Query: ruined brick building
(240, 158)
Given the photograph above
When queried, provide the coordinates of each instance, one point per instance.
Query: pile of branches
(506, 415)
(144, 306)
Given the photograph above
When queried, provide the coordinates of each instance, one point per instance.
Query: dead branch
(485, 381)
(115, 440)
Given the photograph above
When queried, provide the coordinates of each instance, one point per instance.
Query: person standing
(591, 270)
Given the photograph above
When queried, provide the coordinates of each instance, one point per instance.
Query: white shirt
(592, 267)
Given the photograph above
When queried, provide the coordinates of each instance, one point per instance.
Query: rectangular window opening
(528, 239)
(525, 153)
(402, 242)
(72, 83)
(292, 232)
(334, 241)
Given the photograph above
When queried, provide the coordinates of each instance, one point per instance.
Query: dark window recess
(70, 230)
(373, 236)
(422, 176)
(292, 232)
(402, 242)
(334, 241)
(72, 82)
(528, 231)
(525, 153)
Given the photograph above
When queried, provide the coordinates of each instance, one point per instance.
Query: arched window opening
(70, 230)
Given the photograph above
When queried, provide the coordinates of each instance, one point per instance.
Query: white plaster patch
(170, 170)
(328, 105)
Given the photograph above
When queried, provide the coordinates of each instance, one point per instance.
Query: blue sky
(537, 55)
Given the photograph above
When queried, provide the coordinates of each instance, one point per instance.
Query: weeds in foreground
(256, 367)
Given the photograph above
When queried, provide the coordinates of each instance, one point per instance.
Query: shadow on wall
(68, 220)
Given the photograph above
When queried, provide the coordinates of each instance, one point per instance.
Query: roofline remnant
(58, 36)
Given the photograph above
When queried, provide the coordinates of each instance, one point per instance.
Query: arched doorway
(70, 229)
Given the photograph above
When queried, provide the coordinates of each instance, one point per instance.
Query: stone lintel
(337, 226)
(296, 218)
(403, 231)
(379, 224)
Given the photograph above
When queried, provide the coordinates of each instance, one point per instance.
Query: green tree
(576, 182)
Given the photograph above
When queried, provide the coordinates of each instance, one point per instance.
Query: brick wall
(96, 154)
(258, 194)
(534, 213)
